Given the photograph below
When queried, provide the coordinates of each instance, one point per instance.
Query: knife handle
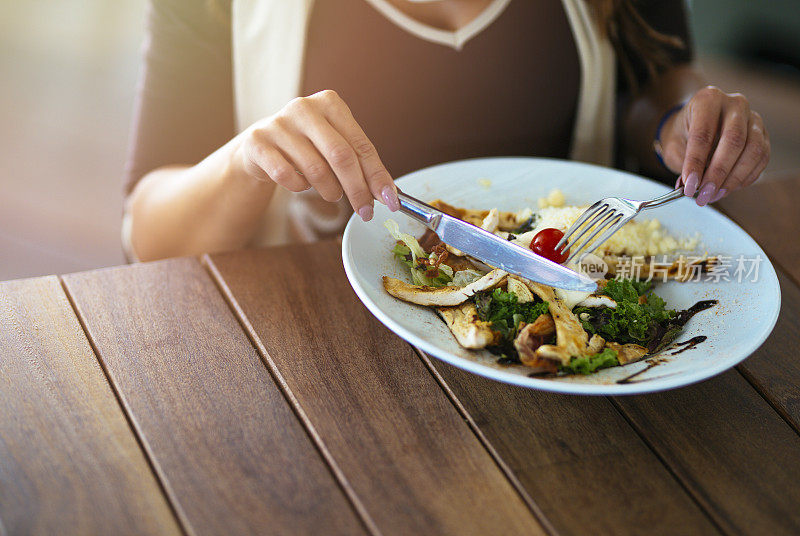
(422, 212)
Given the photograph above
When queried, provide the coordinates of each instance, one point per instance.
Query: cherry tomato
(544, 244)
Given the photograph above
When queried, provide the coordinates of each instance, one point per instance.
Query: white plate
(735, 328)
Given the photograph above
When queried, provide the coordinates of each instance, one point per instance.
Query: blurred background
(68, 72)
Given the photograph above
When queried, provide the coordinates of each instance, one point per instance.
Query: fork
(608, 215)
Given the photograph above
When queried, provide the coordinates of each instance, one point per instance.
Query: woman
(226, 153)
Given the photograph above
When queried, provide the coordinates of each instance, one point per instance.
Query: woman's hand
(314, 142)
(716, 143)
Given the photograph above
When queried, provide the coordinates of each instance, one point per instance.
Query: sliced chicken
(507, 220)
(530, 338)
(539, 365)
(598, 300)
(470, 331)
(571, 339)
(627, 353)
(595, 345)
(441, 296)
(491, 222)
(455, 251)
(544, 325)
(520, 290)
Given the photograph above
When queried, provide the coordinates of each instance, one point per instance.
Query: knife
(493, 250)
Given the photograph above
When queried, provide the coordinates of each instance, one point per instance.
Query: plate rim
(655, 385)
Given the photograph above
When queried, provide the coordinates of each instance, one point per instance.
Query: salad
(550, 331)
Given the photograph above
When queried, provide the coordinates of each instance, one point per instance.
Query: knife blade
(493, 250)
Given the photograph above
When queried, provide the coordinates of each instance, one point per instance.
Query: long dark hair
(635, 41)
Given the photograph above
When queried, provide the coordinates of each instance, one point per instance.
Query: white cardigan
(269, 38)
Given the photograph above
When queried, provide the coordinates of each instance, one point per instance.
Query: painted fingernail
(720, 195)
(678, 182)
(389, 197)
(365, 212)
(706, 193)
(691, 184)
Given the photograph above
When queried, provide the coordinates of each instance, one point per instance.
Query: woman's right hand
(315, 142)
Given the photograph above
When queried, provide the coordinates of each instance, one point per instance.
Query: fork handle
(677, 193)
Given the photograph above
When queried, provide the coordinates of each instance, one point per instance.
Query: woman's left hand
(717, 143)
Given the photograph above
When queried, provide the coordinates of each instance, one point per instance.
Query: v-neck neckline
(453, 38)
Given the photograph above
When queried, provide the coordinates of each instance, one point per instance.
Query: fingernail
(720, 195)
(691, 184)
(389, 197)
(678, 182)
(365, 212)
(706, 193)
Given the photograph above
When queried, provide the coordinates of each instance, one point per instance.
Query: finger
(672, 153)
(703, 122)
(307, 160)
(732, 141)
(722, 192)
(342, 159)
(754, 153)
(378, 178)
(266, 162)
(757, 173)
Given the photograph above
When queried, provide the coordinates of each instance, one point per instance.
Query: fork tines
(597, 218)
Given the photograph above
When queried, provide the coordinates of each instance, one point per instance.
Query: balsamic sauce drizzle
(627, 379)
(680, 320)
(688, 345)
(700, 306)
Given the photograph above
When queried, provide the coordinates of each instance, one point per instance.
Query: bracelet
(657, 141)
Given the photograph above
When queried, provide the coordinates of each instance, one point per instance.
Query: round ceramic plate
(747, 291)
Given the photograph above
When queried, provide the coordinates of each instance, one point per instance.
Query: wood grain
(774, 369)
(578, 458)
(402, 446)
(231, 452)
(69, 462)
(770, 212)
(729, 448)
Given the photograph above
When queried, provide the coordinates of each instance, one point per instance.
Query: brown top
(511, 90)
(423, 103)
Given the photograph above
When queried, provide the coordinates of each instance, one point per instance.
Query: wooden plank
(232, 454)
(69, 462)
(769, 212)
(405, 450)
(774, 369)
(578, 458)
(729, 448)
(773, 221)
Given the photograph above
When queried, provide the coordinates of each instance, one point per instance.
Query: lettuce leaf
(409, 252)
(630, 321)
(505, 313)
(462, 278)
(590, 363)
(409, 241)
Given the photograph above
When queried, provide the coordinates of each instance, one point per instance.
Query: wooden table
(252, 393)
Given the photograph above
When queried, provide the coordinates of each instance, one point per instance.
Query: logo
(593, 267)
